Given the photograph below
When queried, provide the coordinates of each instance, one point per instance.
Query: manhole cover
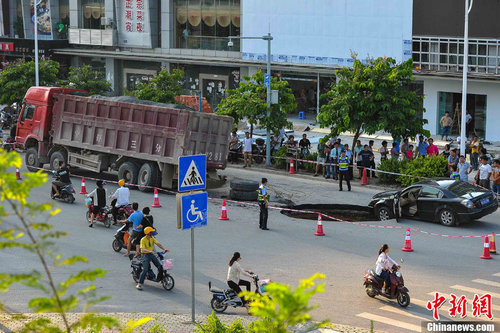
(353, 213)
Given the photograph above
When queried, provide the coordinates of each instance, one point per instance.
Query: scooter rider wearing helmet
(233, 276)
(120, 198)
(383, 267)
(63, 175)
(147, 250)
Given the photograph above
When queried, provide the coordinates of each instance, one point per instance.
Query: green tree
(281, 308)
(374, 96)
(162, 89)
(19, 76)
(22, 227)
(88, 79)
(249, 101)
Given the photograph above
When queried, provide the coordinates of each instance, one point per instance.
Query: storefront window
(92, 11)
(476, 107)
(207, 24)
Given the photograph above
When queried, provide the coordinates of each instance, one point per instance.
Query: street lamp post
(37, 77)
(268, 38)
(463, 127)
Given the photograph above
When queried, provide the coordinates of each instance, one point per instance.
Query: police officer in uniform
(263, 203)
(344, 171)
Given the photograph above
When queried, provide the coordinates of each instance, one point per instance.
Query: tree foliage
(88, 79)
(372, 97)
(23, 227)
(281, 308)
(249, 101)
(19, 76)
(162, 89)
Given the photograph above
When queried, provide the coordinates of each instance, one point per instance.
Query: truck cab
(35, 120)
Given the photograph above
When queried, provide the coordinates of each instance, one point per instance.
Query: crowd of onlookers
(361, 156)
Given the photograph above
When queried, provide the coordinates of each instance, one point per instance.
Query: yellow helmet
(121, 182)
(147, 230)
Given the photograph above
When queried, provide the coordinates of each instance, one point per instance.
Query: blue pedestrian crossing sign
(194, 210)
(192, 173)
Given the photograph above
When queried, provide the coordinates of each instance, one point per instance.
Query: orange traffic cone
(223, 212)
(156, 200)
(319, 227)
(18, 175)
(486, 249)
(407, 247)
(292, 168)
(83, 189)
(493, 248)
(364, 179)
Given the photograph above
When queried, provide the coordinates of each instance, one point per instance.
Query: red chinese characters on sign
(482, 305)
(140, 15)
(140, 4)
(139, 27)
(128, 4)
(128, 26)
(8, 47)
(435, 304)
(458, 305)
(128, 15)
(134, 16)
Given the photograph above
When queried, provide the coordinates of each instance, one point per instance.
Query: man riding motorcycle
(119, 199)
(63, 178)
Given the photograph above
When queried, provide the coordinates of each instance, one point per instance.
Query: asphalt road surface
(287, 253)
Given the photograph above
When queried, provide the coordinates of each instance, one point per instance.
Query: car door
(25, 126)
(404, 203)
(429, 199)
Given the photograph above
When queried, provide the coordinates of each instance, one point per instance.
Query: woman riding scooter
(383, 267)
(233, 276)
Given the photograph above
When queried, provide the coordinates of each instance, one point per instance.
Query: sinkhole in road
(352, 213)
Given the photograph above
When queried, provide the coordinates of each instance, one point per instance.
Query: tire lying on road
(243, 195)
(244, 185)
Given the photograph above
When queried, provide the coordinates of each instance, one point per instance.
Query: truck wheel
(55, 158)
(31, 159)
(147, 177)
(129, 172)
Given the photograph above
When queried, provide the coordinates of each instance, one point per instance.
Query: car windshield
(462, 188)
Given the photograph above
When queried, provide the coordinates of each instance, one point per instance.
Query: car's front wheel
(383, 213)
(447, 217)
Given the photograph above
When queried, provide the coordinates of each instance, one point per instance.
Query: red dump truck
(140, 140)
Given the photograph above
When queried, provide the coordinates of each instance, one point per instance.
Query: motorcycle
(121, 238)
(374, 284)
(259, 150)
(8, 144)
(5, 119)
(167, 281)
(103, 216)
(221, 299)
(65, 192)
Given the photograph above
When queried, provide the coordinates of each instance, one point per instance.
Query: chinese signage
(7, 47)
(134, 23)
(43, 18)
(480, 305)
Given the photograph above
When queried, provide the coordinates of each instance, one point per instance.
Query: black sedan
(443, 200)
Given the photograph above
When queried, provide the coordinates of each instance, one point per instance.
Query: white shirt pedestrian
(484, 171)
(247, 145)
(463, 171)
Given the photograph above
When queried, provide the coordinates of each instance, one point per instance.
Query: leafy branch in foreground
(23, 226)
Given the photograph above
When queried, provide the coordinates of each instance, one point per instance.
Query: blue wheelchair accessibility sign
(194, 210)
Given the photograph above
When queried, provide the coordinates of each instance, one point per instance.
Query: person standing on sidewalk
(496, 176)
(328, 152)
(394, 151)
(384, 151)
(372, 163)
(483, 175)
(422, 147)
(344, 171)
(358, 149)
(464, 169)
(432, 149)
(247, 150)
(349, 155)
(474, 152)
(264, 204)
(321, 159)
(445, 123)
(404, 148)
(366, 158)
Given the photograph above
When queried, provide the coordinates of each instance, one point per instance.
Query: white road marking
(402, 312)
(487, 282)
(390, 321)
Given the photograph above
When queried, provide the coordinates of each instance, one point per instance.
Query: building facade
(131, 40)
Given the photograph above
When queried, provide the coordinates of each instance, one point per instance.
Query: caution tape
(246, 203)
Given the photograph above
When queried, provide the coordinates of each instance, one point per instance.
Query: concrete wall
(432, 86)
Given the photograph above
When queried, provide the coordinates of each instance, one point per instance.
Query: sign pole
(192, 275)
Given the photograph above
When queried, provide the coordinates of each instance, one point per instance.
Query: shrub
(280, 157)
(391, 165)
(424, 167)
(214, 325)
(308, 166)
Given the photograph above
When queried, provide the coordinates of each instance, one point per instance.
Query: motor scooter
(259, 150)
(166, 280)
(65, 192)
(103, 216)
(121, 238)
(374, 284)
(221, 299)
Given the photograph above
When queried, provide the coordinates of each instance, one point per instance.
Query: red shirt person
(432, 150)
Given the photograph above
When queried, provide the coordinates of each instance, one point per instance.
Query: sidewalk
(174, 323)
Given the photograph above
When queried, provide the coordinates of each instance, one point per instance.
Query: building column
(73, 14)
(113, 75)
(167, 24)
